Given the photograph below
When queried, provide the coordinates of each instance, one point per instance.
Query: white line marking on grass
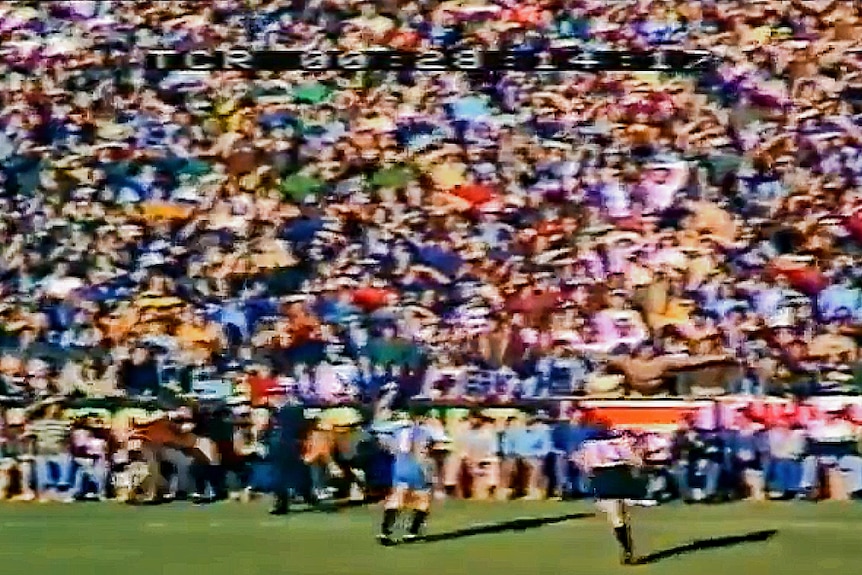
(272, 523)
(215, 524)
(155, 525)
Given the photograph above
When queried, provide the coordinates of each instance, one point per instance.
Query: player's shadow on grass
(521, 524)
(711, 543)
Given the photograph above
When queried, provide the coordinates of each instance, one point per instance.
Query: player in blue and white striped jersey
(613, 462)
(409, 439)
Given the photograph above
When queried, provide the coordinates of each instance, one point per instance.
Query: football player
(614, 466)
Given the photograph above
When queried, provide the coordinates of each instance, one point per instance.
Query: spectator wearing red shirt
(261, 383)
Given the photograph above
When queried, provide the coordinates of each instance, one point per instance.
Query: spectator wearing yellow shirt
(199, 335)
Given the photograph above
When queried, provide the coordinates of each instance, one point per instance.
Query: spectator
(786, 449)
(694, 462)
(479, 462)
(51, 434)
(16, 462)
(139, 374)
(832, 445)
(260, 381)
(509, 438)
(567, 436)
(532, 448)
(745, 452)
(90, 458)
(465, 221)
(645, 371)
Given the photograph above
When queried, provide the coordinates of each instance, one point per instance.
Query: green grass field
(236, 539)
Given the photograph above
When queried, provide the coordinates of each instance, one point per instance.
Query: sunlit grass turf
(233, 538)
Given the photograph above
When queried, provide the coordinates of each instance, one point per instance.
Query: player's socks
(622, 534)
(419, 518)
(281, 506)
(630, 545)
(390, 516)
(624, 538)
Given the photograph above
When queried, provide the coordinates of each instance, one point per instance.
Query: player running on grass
(409, 440)
(614, 466)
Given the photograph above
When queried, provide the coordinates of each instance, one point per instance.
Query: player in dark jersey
(289, 429)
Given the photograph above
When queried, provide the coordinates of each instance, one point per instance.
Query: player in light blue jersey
(409, 439)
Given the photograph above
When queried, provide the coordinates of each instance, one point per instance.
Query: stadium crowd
(496, 235)
(492, 237)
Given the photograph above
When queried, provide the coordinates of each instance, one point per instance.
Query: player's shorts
(410, 473)
(619, 482)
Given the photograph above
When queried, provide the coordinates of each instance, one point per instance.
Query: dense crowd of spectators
(494, 235)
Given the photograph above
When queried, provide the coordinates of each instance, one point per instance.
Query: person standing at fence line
(289, 428)
(16, 456)
(51, 434)
(688, 450)
(833, 444)
(558, 461)
(182, 480)
(90, 458)
(457, 427)
(508, 455)
(571, 482)
(440, 452)
(480, 463)
(614, 467)
(743, 455)
(535, 449)
(784, 470)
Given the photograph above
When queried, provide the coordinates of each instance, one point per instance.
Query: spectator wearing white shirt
(786, 450)
(663, 184)
(91, 464)
(617, 199)
(479, 447)
(833, 445)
